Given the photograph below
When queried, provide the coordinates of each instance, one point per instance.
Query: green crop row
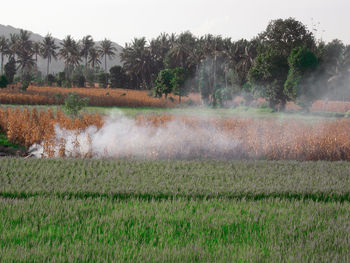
(124, 179)
(41, 229)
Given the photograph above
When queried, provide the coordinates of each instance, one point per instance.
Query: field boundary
(317, 197)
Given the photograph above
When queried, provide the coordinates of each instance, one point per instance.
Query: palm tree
(107, 49)
(158, 48)
(181, 49)
(94, 56)
(48, 50)
(13, 46)
(36, 50)
(137, 58)
(25, 52)
(86, 44)
(3, 51)
(70, 53)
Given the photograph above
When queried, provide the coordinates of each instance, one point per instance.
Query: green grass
(242, 111)
(174, 211)
(5, 142)
(95, 230)
(169, 179)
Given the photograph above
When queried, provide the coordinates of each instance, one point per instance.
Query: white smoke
(123, 137)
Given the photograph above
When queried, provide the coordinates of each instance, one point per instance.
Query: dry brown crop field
(133, 98)
(247, 137)
(27, 127)
(324, 105)
(97, 97)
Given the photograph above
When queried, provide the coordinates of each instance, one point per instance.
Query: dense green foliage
(3, 81)
(299, 85)
(10, 70)
(268, 75)
(118, 78)
(173, 211)
(171, 81)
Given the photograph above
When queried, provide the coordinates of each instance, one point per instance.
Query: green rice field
(65, 210)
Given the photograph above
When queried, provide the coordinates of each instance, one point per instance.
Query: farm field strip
(51, 229)
(174, 211)
(176, 137)
(97, 97)
(163, 180)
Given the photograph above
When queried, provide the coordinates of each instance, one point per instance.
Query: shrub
(347, 114)
(50, 79)
(73, 104)
(3, 81)
(103, 79)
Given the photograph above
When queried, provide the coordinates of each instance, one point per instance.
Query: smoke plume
(123, 137)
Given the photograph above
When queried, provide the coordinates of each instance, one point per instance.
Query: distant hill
(56, 66)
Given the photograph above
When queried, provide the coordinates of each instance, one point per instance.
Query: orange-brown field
(324, 105)
(132, 98)
(267, 139)
(97, 97)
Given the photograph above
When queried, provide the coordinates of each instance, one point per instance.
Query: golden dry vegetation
(133, 98)
(97, 97)
(256, 138)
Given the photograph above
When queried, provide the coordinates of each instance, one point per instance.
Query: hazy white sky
(122, 20)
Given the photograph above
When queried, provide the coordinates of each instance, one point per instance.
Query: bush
(40, 82)
(347, 114)
(79, 80)
(103, 79)
(3, 81)
(57, 97)
(50, 79)
(61, 77)
(25, 85)
(73, 104)
(10, 70)
(118, 78)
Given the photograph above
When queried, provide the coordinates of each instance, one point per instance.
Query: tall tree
(285, 34)
(136, 60)
(86, 44)
(70, 53)
(107, 50)
(36, 50)
(25, 52)
(181, 50)
(3, 51)
(13, 45)
(299, 84)
(48, 50)
(94, 56)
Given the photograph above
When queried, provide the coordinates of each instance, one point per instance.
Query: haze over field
(121, 20)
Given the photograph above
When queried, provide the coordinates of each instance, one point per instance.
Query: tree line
(81, 58)
(283, 63)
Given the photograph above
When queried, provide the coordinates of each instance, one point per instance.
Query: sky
(122, 20)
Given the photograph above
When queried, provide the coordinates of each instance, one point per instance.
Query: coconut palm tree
(70, 53)
(181, 49)
(3, 51)
(94, 56)
(48, 50)
(136, 58)
(13, 45)
(86, 44)
(36, 50)
(25, 52)
(107, 49)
